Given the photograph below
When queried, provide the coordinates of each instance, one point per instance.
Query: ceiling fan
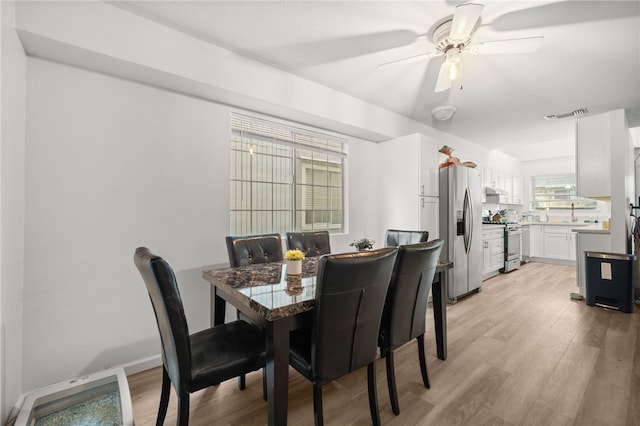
(452, 38)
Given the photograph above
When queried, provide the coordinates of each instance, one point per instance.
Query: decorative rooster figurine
(450, 161)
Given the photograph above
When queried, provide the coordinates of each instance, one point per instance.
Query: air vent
(575, 113)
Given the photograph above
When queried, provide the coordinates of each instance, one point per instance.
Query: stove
(512, 246)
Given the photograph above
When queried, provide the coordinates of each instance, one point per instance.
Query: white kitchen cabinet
(593, 156)
(511, 184)
(429, 171)
(495, 178)
(536, 241)
(429, 220)
(492, 250)
(408, 193)
(516, 193)
(573, 237)
(505, 182)
(559, 243)
(486, 257)
(486, 177)
(556, 246)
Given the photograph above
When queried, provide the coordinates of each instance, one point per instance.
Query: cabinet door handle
(422, 188)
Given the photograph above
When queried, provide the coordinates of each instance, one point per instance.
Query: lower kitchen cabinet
(429, 209)
(559, 243)
(552, 242)
(492, 251)
(536, 241)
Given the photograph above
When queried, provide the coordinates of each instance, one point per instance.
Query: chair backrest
(398, 237)
(250, 249)
(165, 297)
(405, 309)
(311, 243)
(350, 293)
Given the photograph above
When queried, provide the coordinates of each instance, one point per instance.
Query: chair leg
(164, 397)
(264, 383)
(183, 409)
(373, 395)
(391, 382)
(423, 362)
(317, 405)
(242, 382)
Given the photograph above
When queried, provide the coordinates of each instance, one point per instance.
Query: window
(558, 192)
(284, 178)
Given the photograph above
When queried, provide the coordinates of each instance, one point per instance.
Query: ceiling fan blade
(514, 45)
(410, 59)
(465, 17)
(443, 83)
(563, 13)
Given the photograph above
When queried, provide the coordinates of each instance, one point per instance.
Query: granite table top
(267, 289)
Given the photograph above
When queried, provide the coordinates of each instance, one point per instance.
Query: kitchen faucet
(573, 215)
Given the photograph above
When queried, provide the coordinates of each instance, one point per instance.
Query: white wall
(12, 138)
(112, 165)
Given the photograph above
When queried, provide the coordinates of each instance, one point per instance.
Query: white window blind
(284, 178)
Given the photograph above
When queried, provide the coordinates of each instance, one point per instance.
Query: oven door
(514, 244)
(513, 250)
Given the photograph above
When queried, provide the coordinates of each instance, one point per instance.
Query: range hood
(494, 191)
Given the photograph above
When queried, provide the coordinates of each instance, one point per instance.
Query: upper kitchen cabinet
(593, 156)
(504, 188)
(516, 194)
(414, 160)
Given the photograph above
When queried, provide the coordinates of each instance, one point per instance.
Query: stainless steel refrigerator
(461, 228)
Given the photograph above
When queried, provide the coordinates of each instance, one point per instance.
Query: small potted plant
(363, 244)
(294, 261)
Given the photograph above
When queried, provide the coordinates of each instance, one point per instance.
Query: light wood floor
(520, 353)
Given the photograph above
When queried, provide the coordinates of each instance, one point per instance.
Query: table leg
(439, 293)
(277, 339)
(218, 307)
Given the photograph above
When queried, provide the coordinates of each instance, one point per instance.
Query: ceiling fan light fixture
(444, 112)
(453, 63)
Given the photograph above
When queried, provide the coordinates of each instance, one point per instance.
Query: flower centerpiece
(294, 261)
(363, 244)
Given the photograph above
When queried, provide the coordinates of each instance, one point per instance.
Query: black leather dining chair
(350, 293)
(249, 249)
(191, 362)
(405, 310)
(311, 243)
(399, 237)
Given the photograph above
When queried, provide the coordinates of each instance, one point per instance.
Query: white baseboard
(142, 364)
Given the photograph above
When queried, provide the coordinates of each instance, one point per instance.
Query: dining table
(266, 295)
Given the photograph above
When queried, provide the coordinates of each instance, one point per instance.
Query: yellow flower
(294, 255)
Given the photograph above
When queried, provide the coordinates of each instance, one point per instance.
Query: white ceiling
(590, 57)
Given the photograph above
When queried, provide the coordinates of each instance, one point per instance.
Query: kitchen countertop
(593, 228)
(580, 224)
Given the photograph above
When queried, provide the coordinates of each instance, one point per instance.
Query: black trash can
(610, 280)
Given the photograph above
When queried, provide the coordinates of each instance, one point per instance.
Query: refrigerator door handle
(466, 219)
(470, 219)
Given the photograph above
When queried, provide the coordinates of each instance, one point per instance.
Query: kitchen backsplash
(602, 212)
